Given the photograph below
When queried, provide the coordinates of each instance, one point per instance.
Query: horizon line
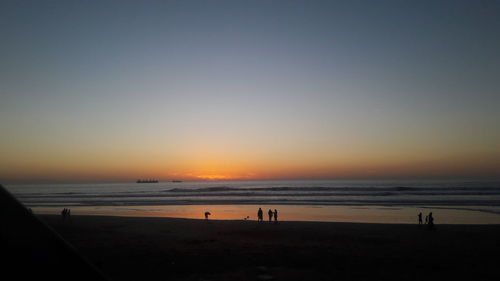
(111, 181)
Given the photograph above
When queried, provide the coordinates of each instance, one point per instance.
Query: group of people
(429, 219)
(65, 213)
(260, 215)
(272, 214)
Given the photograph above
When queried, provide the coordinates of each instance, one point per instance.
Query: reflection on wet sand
(367, 214)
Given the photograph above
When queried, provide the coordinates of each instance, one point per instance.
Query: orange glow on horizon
(244, 168)
(215, 177)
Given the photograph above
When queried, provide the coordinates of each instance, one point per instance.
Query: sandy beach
(134, 248)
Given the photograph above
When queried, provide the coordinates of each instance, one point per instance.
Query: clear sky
(120, 90)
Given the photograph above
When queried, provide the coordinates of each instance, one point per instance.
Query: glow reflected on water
(366, 214)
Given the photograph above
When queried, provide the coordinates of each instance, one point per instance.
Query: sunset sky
(120, 90)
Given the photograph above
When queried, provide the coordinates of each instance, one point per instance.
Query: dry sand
(127, 248)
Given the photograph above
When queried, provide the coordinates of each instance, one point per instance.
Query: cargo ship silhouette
(146, 181)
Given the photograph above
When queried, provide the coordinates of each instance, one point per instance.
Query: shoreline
(457, 215)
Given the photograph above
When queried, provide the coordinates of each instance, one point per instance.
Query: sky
(121, 90)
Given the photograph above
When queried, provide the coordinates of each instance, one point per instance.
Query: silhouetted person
(68, 214)
(206, 215)
(275, 216)
(64, 212)
(270, 213)
(431, 220)
(260, 215)
(427, 219)
(420, 218)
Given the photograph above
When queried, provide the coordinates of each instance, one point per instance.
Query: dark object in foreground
(32, 251)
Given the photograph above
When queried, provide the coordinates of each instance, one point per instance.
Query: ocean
(386, 201)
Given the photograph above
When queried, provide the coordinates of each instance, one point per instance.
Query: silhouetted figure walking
(270, 213)
(206, 215)
(427, 219)
(275, 216)
(260, 215)
(420, 218)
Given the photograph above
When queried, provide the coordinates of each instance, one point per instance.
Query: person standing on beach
(64, 213)
(260, 215)
(431, 220)
(270, 213)
(275, 216)
(420, 218)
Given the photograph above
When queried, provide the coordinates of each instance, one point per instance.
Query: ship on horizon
(147, 181)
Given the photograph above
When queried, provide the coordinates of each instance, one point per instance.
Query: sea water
(385, 201)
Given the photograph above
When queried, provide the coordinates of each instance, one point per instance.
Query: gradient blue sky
(116, 90)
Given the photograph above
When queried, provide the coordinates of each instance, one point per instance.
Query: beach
(361, 201)
(151, 248)
(159, 140)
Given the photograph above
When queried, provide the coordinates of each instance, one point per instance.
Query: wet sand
(134, 248)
